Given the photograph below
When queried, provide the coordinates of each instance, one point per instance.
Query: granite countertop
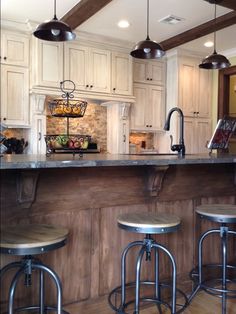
(102, 160)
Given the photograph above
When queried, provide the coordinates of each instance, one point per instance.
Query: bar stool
(222, 214)
(30, 240)
(146, 223)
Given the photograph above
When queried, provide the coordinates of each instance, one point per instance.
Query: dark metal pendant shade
(54, 30)
(215, 61)
(147, 49)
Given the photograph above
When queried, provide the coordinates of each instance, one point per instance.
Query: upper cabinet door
(204, 94)
(76, 63)
(156, 73)
(49, 72)
(152, 72)
(99, 70)
(15, 96)
(155, 115)
(15, 49)
(122, 73)
(188, 87)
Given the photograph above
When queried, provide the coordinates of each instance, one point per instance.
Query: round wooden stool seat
(149, 223)
(32, 239)
(224, 213)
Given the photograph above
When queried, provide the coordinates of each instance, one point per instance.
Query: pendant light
(215, 60)
(147, 49)
(54, 30)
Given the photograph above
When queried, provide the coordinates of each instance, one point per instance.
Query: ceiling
(104, 22)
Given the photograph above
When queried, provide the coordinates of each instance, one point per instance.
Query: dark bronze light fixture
(54, 30)
(215, 60)
(147, 49)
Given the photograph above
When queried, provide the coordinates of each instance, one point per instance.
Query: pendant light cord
(148, 20)
(215, 30)
(55, 7)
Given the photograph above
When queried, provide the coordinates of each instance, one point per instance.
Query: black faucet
(180, 148)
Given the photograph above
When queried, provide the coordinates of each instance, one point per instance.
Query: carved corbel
(26, 184)
(155, 179)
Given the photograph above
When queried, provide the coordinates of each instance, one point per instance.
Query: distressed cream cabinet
(189, 88)
(47, 63)
(197, 134)
(15, 96)
(89, 68)
(122, 70)
(194, 88)
(147, 113)
(149, 72)
(92, 69)
(14, 79)
(14, 49)
(148, 110)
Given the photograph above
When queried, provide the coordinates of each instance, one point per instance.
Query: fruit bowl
(67, 142)
(64, 108)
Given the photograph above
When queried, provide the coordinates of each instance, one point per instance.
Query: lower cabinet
(147, 113)
(197, 133)
(15, 96)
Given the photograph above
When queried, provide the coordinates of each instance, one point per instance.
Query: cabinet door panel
(100, 70)
(204, 93)
(15, 49)
(76, 63)
(155, 113)
(189, 136)
(50, 64)
(188, 88)
(15, 96)
(121, 74)
(203, 134)
(156, 73)
(139, 107)
(140, 71)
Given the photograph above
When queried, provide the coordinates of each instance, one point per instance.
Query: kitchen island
(87, 194)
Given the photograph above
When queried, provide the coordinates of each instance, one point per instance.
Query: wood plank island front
(87, 194)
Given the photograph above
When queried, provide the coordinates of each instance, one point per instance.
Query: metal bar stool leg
(224, 235)
(174, 275)
(157, 286)
(138, 269)
(123, 270)
(9, 266)
(41, 292)
(57, 283)
(13, 288)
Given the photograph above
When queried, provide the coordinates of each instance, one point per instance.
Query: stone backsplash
(138, 138)
(93, 123)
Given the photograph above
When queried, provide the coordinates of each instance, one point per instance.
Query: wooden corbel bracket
(26, 184)
(155, 179)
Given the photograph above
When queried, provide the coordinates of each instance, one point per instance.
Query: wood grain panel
(88, 201)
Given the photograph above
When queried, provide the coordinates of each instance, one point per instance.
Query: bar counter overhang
(87, 194)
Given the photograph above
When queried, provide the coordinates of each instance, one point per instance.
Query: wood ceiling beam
(230, 4)
(200, 31)
(82, 11)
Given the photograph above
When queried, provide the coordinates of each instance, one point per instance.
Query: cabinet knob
(150, 126)
(147, 78)
(91, 86)
(114, 89)
(4, 119)
(87, 86)
(150, 79)
(5, 58)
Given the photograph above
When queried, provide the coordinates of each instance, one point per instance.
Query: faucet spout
(180, 148)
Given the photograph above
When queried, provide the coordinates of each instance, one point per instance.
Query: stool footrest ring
(121, 308)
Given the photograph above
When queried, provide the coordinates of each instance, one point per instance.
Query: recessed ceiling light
(123, 24)
(209, 44)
